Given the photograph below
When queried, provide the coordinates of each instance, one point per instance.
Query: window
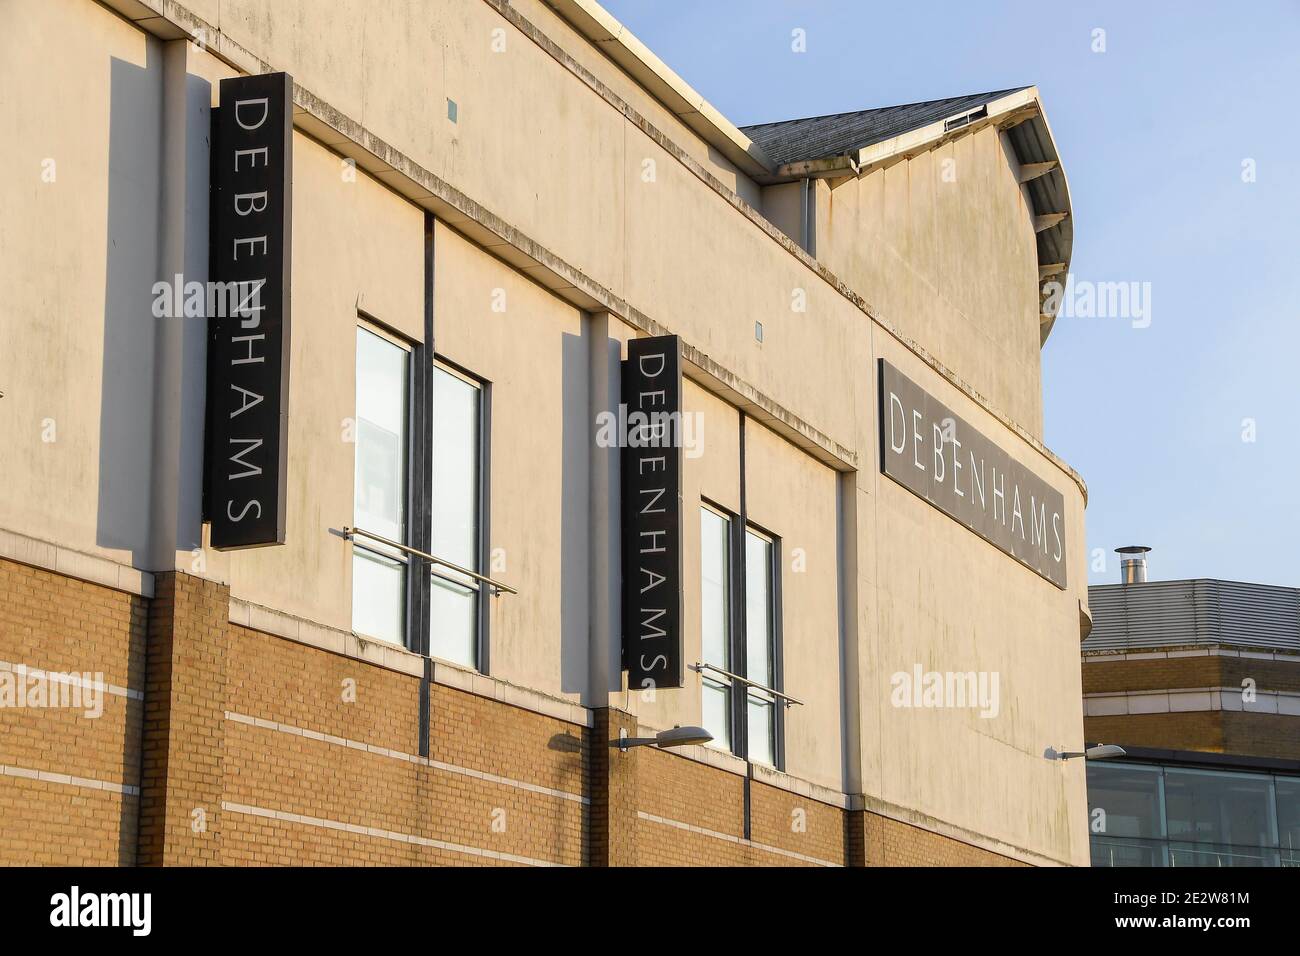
(742, 718)
(1220, 818)
(456, 600)
(760, 644)
(1126, 815)
(379, 501)
(1148, 815)
(715, 624)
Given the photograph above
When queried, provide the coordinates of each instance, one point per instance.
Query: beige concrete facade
(576, 205)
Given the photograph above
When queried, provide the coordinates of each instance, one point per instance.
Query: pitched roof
(820, 137)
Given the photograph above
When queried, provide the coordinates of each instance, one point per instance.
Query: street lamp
(677, 737)
(1099, 752)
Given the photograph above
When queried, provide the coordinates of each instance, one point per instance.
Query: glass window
(760, 637)
(1124, 801)
(1210, 806)
(455, 603)
(1184, 816)
(1126, 814)
(715, 623)
(379, 505)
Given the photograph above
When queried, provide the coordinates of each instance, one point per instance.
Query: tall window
(456, 600)
(760, 644)
(715, 602)
(379, 505)
(743, 718)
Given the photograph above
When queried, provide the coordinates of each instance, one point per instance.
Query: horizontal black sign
(248, 346)
(930, 451)
(652, 513)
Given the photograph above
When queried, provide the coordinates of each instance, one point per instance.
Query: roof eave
(1021, 115)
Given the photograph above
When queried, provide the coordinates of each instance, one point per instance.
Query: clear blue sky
(1152, 134)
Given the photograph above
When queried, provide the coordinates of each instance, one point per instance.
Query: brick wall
(894, 843)
(67, 780)
(227, 745)
(1101, 674)
(1255, 735)
(1215, 731)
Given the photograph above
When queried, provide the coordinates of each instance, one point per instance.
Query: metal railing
(785, 699)
(435, 561)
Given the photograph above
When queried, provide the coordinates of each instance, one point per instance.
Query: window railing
(784, 698)
(433, 560)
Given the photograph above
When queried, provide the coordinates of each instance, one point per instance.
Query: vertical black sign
(248, 332)
(652, 512)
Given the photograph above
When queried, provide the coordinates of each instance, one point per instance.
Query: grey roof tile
(819, 137)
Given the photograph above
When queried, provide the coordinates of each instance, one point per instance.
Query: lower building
(1199, 682)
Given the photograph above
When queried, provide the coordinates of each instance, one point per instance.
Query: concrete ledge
(1191, 650)
(1188, 700)
(804, 788)
(730, 763)
(394, 658)
(75, 564)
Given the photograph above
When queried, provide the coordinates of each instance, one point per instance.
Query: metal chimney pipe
(1133, 564)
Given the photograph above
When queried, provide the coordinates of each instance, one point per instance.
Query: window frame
(774, 639)
(729, 623)
(412, 517)
(438, 361)
(737, 638)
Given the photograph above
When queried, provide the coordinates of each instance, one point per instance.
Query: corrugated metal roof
(820, 137)
(1200, 611)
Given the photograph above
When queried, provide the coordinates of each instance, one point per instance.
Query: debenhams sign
(933, 453)
(248, 351)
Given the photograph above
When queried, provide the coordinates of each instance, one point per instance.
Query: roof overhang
(1019, 113)
(1021, 116)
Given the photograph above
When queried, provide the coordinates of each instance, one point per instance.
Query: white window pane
(453, 619)
(379, 504)
(761, 731)
(455, 469)
(453, 622)
(381, 436)
(758, 608)
(378, 596)
(714, 604)
(716, 709)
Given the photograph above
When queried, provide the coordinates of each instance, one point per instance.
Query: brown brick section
(184, 727)
(1215, 731)
(295, 755)
(612, 816)
(1230, 732)
(894, 843)
(54, 623)
(1101, 675)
